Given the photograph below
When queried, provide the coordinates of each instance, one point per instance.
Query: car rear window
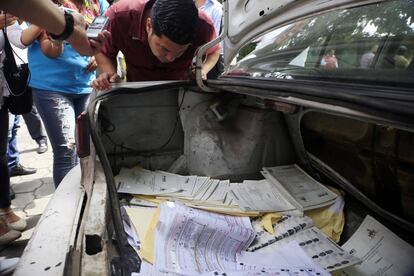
(371, 43)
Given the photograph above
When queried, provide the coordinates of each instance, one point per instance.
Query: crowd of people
(63, 62)
(400, 60)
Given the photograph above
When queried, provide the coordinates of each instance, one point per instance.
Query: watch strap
(69, 25)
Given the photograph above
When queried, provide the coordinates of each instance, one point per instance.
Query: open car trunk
(226, 135)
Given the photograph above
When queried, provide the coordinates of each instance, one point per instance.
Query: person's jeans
(58, 112)
(13, 155)
(4, 169)
(34, 125)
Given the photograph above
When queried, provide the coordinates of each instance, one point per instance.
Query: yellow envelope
(268, 220)
(145, 221)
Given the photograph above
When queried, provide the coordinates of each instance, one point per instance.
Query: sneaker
(42, 147)
(8, 235)
(19, 169)
(18, 223)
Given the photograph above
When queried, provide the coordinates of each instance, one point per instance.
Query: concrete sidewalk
(33, 192)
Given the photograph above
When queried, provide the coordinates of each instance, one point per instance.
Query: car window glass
(372, 43)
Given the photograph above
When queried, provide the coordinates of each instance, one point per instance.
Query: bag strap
(9, 54)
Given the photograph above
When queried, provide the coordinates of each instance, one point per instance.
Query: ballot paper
(191, 241)
(298, 187)
(382, 252)
(319, 247)
(287, 226)
(262, 196)
(288, 258)
(281, 272)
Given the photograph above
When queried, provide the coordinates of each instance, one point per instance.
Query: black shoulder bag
(20, 100)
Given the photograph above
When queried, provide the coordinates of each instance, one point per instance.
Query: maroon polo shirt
(129, 35)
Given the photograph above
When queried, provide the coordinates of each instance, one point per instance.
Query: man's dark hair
(175, 19)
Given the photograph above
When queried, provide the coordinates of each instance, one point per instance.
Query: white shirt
(14, 34)
(366, 60)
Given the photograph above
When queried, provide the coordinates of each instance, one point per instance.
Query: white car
(328, 85)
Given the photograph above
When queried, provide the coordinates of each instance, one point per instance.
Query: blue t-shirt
(65, 73)
(214, 9)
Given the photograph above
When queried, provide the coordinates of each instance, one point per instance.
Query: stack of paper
(144, 182)
(260, 196)
(196, 191)
(191, 241)
(194, 242)
(286, 189)
(159, 183)
(180, 240)
(299, 188)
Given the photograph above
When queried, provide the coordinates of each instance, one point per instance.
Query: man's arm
(40, 12)
(48, 16)
(209, 63)
(108, 75)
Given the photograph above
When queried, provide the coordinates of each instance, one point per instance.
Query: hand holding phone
(98, 25)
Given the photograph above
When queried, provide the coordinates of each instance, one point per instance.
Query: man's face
(162, 47)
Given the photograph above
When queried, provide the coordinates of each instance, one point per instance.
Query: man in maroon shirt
(158, 39)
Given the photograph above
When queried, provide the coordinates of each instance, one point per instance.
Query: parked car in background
(350, 126)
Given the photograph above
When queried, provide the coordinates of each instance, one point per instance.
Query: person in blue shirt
(214, 9)
(60, 79)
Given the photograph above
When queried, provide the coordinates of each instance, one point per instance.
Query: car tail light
(82, 135)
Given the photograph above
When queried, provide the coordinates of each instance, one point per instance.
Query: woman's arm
(41, 12)
(22, 38)
(30, 34)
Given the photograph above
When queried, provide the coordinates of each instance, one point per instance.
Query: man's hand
(191, 74)
(80, 41)
(204, 73)
(7, 20)
(104, 81)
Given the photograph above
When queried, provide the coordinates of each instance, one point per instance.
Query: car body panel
(95, 234)
(55, 233)
(231, 134)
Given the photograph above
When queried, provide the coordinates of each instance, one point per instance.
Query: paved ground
(32, 191)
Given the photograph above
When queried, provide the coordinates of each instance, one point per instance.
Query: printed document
(382, 252)
(290, 257)
(319, 247)
(299, 187)
(287, 226)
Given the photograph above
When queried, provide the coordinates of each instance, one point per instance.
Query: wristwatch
(69, 23)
